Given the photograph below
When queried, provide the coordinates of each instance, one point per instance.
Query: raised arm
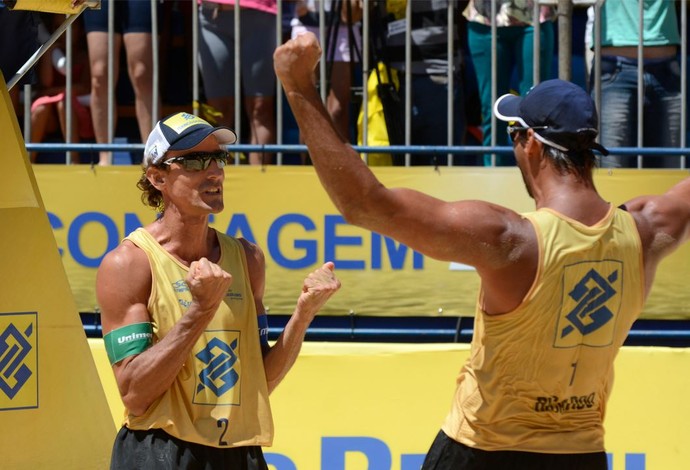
(123, 286)
(471, 232)
(663, 223)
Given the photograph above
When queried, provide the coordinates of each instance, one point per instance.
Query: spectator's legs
(618, 110)
(216, 62)
(338, 101)
(42, 122)
(524, 58)
(262, 126)
(140, 68)
(226, 107)
(662, 110)
(479, 42)
(258, 79)
(98, 57)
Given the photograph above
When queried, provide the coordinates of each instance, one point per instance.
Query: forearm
(318, 287)
(282, 355)
(343, 174)
(144, 378)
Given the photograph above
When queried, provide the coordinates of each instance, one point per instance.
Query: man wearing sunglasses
(560, 286)
(183, 317)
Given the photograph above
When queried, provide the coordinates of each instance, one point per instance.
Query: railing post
(565, 39)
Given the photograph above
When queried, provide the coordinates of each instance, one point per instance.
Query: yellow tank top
(220, 397)
(538, 378)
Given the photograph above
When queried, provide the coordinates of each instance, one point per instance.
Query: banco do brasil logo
(590, 304)
(18, 360)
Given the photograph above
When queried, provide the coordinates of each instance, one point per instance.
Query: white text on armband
(128, 341)
(263, 328)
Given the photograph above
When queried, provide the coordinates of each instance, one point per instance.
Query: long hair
(150, 196)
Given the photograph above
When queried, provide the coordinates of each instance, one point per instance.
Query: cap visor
(507, 108)
(223, 136)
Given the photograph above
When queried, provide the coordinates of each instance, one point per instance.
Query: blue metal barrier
(411, 149)
(354, 328)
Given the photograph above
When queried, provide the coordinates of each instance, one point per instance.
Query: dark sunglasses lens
(201, 161)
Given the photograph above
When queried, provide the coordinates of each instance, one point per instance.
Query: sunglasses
(197, 161)
(514, 131)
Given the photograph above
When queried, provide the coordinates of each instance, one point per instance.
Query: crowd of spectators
(432, 123)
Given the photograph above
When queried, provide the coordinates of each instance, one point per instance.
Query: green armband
(128, 341)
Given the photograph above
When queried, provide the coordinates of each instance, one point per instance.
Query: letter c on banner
(73, 237)
(55, 224)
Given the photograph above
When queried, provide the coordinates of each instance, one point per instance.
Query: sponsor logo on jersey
(590, 304)
(219, 377)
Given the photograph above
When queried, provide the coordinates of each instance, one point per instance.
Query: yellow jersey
(538, 378)
(220, 397)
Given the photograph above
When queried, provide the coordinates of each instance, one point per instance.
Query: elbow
(135, 405)
(356, 213)
(350, 214)
(367, 208)
(272, 382)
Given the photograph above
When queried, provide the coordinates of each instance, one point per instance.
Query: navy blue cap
(565, 110)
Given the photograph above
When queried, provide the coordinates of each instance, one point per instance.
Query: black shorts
(447, 454)
(131, 16)
(157, 450)
(18, 42)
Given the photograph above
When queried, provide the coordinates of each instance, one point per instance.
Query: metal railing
(565, 8)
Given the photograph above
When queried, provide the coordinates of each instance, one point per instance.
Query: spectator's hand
(208, 284)
(294, 62)
(318, 287)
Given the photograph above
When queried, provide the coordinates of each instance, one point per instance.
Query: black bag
(392, 112)
(389, 95)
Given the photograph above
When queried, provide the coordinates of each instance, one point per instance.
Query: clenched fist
(208, 284)
(318, 287)
(294, 62)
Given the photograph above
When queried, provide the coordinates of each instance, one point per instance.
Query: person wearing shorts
(217, 66)
(132, 26)
(20, 29)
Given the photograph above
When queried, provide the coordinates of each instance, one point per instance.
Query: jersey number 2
(222, 423)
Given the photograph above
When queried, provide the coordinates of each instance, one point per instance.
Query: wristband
(128, 341)
(263, 328)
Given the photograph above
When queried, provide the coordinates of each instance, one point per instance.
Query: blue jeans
(514, 50)
(661, 109)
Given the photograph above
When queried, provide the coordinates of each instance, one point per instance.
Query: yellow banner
(286, 211)
(379, 406)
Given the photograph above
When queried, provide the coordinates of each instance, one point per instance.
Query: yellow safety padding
(53, 410)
